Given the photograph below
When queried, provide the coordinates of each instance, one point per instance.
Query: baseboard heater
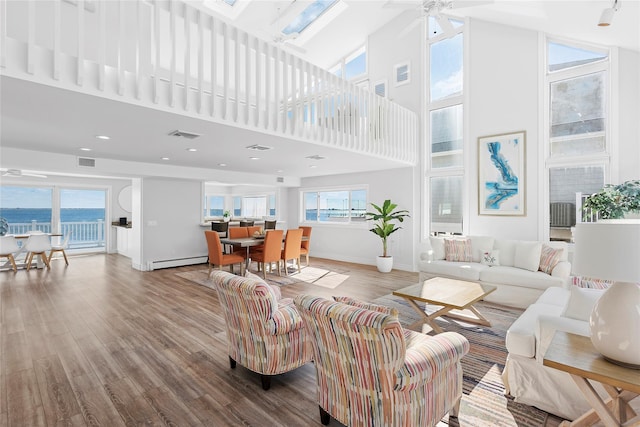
(178, 262)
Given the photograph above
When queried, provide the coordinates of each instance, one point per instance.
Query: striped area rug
(483, 403)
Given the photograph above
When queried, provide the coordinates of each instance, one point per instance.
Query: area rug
(483, 402)
(316, 275)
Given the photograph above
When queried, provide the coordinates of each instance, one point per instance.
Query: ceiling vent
(316, 157)
(280, 179)
(86, 162)
(184, 134)
(259, 147)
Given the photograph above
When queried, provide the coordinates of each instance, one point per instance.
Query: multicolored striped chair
(264, 332)
(372, 372)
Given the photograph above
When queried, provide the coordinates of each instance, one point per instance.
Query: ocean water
(26, 215)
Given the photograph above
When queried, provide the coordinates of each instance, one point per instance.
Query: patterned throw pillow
(457, 250)
(491, 258)
(589, 282)
(549, 258)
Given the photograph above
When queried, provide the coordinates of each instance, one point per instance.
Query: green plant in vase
(385, 218)
(614, 201)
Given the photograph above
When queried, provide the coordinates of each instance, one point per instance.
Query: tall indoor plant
(385, 218)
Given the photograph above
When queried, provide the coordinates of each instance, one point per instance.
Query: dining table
(248, 242)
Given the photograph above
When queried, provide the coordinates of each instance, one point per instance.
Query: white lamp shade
(606, 17)
(608, 250)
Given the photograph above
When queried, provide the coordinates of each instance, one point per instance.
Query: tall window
(445, 148)
(576, 128)
(257, 206)
(213, 206)
(353, 66)
(339, 206)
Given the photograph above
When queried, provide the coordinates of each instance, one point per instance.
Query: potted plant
(226, 216)
(385, 218)
(614, 201)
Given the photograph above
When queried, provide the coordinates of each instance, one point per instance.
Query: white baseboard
(156, 265)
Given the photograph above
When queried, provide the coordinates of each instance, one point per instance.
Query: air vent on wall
(316, 157)
(280, 179)
(259, 147)
(184, 134)
(86, 162)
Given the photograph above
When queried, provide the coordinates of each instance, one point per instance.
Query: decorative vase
(615, 324)
(384, 264)
(4, 226)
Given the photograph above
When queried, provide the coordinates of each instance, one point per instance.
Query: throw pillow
(491, 258)
(457, 250)
(437, 246)
(527, 255)
(366, 305)
(591, 283)
(480, 245)
(549, 258)
(581, 303)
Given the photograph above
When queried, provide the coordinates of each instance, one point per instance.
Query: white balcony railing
(173, 56)
(84, 234)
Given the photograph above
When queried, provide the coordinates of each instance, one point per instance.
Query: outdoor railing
(84, 234)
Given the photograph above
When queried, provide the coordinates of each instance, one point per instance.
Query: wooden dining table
(23, 264)
(248, 242)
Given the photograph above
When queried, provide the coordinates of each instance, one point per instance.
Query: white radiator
(168, 263)
(562, 214)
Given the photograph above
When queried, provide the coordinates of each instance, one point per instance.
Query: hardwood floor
(99, 343)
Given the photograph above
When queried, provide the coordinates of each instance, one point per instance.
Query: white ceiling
(42, 118)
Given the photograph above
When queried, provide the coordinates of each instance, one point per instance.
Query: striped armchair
(264, 332)
(372, 372)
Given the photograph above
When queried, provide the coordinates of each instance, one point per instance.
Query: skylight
(230, 2)
(308, 16)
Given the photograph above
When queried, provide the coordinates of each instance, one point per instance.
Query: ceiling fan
(434, 8)
(17, 173)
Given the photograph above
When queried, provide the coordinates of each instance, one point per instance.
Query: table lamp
(611, 250)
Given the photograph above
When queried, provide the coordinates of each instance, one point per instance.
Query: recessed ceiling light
(85, 149)
(192, 149)
(313, 166)
(164, 158)
(279, 170)
(222, 164)
(259, 147)
(254, 158)
(102, 137)
(316, 157)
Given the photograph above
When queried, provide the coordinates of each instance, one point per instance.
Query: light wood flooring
(99, 343)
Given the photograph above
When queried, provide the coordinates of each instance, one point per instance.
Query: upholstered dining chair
(37, 244)
(372, 372)
(245, 223)
(291, 250)
(265, 334)
(217, 258)
(8, 247)
(60, 247)
(304, 245)
(221, 227)
(270, 252)
(270, 225)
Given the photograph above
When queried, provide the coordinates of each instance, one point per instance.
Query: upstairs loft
(175, 58)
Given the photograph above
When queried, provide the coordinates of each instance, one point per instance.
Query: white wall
(628, 115)
(502, 84)
(171, 220)
(355, 243)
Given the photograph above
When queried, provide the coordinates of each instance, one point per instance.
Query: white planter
(384, 264)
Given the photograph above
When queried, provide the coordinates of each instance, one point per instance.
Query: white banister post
(187, 53)
(80, 53)
(31, 35)
(156, 47)
(139, 23)
(275, 118)
(258, 72)
(121, 44)
(56, 40)
(172, 40)
(214, 65)
(236, 69)
(3, 34)
(225, 70)
(266, 115)
(247, 75)
(200, 62)
(102, 42)
(294, 94)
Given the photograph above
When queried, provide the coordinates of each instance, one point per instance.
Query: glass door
(82, 213)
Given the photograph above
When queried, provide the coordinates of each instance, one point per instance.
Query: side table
(576, 355)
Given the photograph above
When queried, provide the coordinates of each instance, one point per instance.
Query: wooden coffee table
(450, 294)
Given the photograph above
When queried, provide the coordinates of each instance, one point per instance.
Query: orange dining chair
(252, 229)
(291, 248)
(38, 244)
(217, 258)
(238, 233)
(304, 245)
(271, 251)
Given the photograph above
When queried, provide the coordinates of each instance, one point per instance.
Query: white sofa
(518, 281)
(524, 376)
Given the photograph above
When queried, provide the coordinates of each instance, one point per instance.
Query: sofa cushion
(513, 276)
(480, 245)
(459, 270)
(527, 255)
(437, 246)
(458, 250)
(520, 337)
(581, 303)
(549, 258)
(507, 251)
(554, 296)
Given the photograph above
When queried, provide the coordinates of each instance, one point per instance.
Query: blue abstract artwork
(501, 166)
